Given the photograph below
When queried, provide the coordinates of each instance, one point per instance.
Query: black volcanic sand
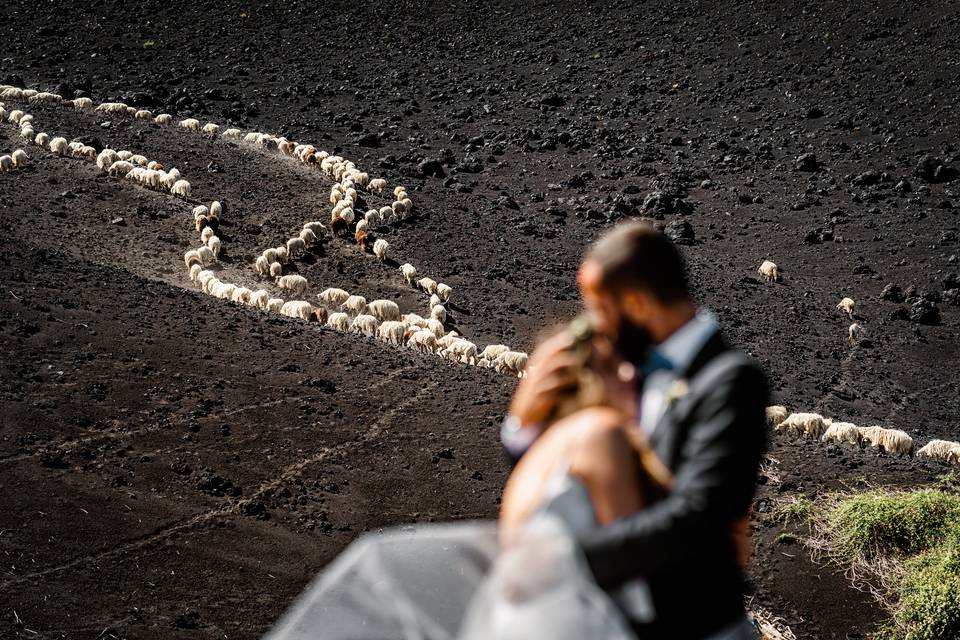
(177, 466)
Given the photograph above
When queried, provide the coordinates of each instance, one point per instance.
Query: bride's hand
(549, 376)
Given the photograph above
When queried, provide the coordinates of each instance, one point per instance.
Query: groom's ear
(637, 305)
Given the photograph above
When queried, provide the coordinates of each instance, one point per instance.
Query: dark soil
(177, 466)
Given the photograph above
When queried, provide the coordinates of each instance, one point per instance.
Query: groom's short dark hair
(634, 255)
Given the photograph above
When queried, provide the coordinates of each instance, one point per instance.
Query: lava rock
(553, 100)
(892, 293)
(814, 112)
(431, 168)
(924, 311)
(680, 231)
(370, 140)
(806, 162)
(932, 169)
(951, 281)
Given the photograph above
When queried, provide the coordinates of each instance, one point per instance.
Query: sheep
(775, 415)
(339, 321)
(42, 139)
(201, 223)
(207, 256)
(45, 97)
(19, 158)
(360, 237)
(490, 353)
(446, 340)
(191, 257)
(810, 424)
(318, 228)
(333, 296)
(392, 332)
(112, 107)
(259, 299)
(283, 256)
(377, 185)
(846, 305)
(513, 362)
(435, 301)
(58, 146)
(29, 93)
(82, 103)
(262, 266)
(6, 91)
(6, 164)
(231, 133)
(190, 123)
(435, 326)
(422, 340)
(444, 291)
(296, 284)
(163, 118)
(181, 188)
(438, 313)
(427, 284)
(308, 237)
(210, 284)
(275, 304)
(355, 305)
(170, 178)
(27, 133)
(361, 226)
(364, 325)
(204, 277)
(892, 441)
(120, 167)
(143, 114)
(398, 209)
(276, 269)
(384, 310)
(26, 119)
(462, 351)
(297, 309)
(241, 294)
(842, 432)
(106, 158)
(372, 218)
(295, 246)
(386, 215)
(854, 333)
(216, 208)
(211, 128)
(942, 450)
(195, 271)
(214, 244)
(15, 116)
(381, 248)
(270, 255)
(123, 154)
(769, 271)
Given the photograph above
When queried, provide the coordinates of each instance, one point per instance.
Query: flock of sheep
(338, 310)
(893, 441)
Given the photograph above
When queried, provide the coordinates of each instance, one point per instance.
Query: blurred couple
(637, 435)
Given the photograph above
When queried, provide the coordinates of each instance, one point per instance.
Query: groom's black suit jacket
(712, 438)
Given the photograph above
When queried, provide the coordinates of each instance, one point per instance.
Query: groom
(701, 405)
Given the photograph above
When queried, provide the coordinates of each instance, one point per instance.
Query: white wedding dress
(453, 582)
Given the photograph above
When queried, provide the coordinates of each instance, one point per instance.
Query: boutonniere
(677, 390)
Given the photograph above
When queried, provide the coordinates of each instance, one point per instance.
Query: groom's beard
(633, 342)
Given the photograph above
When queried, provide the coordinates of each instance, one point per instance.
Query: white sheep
(214, 244)
(435, 326)
(210, 284)
(163, 118)
(195, 271)
(270, 254)
(211, 128)
(846, 305)
(181, 188)
(283, 257)
(372, 218)
(893, 441)
(381, 248)
(943, 450)
(231, 133)
(490, 353)
(361, 226)
(19, 158)
(444, 291)
(6, 164)
(82, 103)
(365, 325)
(392, 331)
(295, 246)
(112, 107)
(769, 271)
(339, 321)
(191, 258)
(106, 158)
(308, 237)
(438, 313)
(207, 256)
(259, 299)
(123, 154)
(216, 208)
(435, 301)
(461, 350)
(190, 123)
(355, 305)
(377, 185)
(855, 332)
(58, 146)
(275, 304)
(809, 424)
(384, 310)
(241, 295)
(512, 362)
(118, 168)
(297, 309)
(143, 114)
(842, 433)
(446, 340)
(333, 297)
(15, 115)
(225, 291)
(296, 284)
(427, 284)
(42, 139)
(276, 269)
(200, 210)
(386, 215)
(318, 228)
(204, 277)
(423, 341)
(170, 178)
(775, 415)
(262, 266)
(45, 97)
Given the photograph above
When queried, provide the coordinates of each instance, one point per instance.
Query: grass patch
(799, 509)
(906, 547)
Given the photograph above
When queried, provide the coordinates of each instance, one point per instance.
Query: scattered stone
(680, 231)
(120, 222)
(431, 168)
(924, 311)
(892, 293)
(806, 162)
(814, 112)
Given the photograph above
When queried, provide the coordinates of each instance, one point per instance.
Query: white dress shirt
(679, 350)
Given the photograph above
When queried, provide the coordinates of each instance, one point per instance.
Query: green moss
(797, 510)
(876, 523)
